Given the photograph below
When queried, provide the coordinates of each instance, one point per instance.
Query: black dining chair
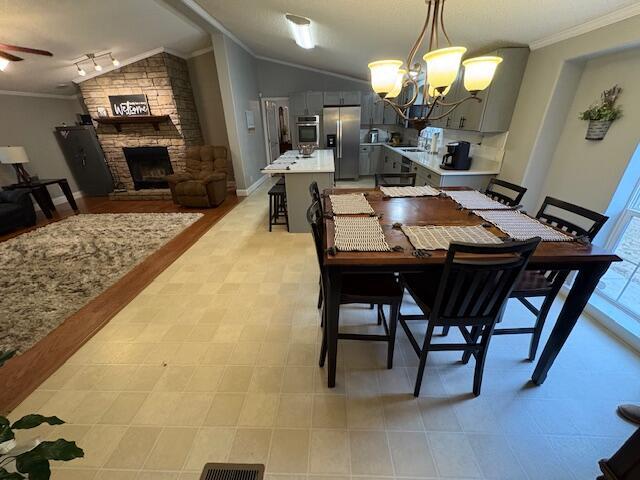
(316, 198)
(547, 284)
(395, 179)
(470, 294)
(504, 191)
(378, 289)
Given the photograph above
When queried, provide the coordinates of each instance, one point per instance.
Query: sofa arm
(178, 177)
(19, 195)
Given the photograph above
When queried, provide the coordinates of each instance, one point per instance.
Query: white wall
(237, 72)
(206, 93)
(588, 172)
(549, 86)
(29, 122)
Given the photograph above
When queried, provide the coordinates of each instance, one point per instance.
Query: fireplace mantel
(118, 121)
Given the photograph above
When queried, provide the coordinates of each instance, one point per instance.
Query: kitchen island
(298, 173)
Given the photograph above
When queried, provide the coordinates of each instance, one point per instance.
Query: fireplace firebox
(148, 166)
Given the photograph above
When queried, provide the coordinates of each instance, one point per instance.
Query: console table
(38, 188)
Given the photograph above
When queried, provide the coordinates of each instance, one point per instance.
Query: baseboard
(59, 200)
(598, 310)
(241, 192)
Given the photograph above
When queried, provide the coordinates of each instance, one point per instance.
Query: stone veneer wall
(164, 79)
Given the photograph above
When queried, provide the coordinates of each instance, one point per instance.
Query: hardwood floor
(23, 374)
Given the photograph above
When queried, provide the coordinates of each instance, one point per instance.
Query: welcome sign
(129, 105)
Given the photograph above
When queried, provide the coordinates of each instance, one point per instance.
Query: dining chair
(316, 198)
(469, 294)
(378, 289)
(504, 198)
(395, 179)
(547, 284)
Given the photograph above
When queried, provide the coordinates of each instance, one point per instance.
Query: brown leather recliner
(204, 184)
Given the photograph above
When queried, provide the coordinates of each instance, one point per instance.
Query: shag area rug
(50, 273)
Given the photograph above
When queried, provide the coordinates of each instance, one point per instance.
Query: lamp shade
(479, 72)
(443, 66)
(13, 155)
(384, 75)
(397, 88)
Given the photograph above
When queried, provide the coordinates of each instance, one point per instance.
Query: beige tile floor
(217, 361)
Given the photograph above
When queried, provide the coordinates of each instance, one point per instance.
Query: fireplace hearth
(148, 166)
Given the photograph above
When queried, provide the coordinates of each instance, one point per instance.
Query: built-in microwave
(308, 129)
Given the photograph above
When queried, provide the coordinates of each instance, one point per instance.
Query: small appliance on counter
(396, 139)
(457, 156)
(372, 136)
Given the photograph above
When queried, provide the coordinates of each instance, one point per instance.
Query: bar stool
(278, 206)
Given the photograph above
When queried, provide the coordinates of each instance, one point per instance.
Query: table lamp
(16, 156)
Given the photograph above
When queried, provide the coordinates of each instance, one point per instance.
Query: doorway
(275, 119)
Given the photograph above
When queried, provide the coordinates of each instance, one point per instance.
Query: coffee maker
(457, 156)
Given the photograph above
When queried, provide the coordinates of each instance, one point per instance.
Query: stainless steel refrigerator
(341, 131)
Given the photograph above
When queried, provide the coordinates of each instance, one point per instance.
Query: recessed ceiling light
(301, 30)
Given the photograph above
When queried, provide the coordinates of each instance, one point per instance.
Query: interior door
(273, 136)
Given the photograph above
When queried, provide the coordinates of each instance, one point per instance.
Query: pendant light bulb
(81, 71)
(115, 61)
(4, 63)
(96, 66)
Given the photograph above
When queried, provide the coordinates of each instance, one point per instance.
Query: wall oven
(308, 129)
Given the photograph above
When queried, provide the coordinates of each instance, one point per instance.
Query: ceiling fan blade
(8, 56)
(16, 48)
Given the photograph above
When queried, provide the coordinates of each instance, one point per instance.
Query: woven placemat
(522, 227)
(350, 204)
(474, 200)
(438, 237)
(359, 234)
(425, 191)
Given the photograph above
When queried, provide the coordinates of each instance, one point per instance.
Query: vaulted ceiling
(351, 33)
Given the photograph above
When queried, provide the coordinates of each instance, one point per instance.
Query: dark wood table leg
(43, 200)
(66, 189)
(583, 286)
(331, 322)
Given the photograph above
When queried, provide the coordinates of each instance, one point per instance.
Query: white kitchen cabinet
(306, 103)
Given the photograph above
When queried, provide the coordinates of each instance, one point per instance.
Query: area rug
(50, 273)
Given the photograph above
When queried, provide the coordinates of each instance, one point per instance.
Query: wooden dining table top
(440, 210)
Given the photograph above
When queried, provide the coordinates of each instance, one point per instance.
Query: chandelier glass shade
(438, 73)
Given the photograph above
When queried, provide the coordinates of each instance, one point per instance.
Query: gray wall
(29, 122)
(279, 80)
(206, 92)
(549, 86)
(238, 76)
(588, 172)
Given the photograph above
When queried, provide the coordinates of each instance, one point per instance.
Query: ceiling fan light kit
(442, 65)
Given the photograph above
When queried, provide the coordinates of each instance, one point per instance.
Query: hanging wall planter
(602, 114)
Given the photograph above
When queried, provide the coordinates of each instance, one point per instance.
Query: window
(621, 283)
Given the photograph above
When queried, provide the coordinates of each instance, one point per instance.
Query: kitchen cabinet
(342, 98)
(392, 162)
(494, 113)
(389, 116)
(306, 103)
(370, 161)
(371, 109)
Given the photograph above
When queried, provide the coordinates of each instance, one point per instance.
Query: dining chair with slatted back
(395, 179)
(502, 196)
(547, 284)
(470, 294)
(382, 289)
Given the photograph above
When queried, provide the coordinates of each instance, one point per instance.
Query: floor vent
(232, 471)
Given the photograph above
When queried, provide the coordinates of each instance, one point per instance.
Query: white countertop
(431, 161)
(320, 161)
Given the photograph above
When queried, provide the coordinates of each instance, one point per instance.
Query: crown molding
(38, 95)
(591, 25)
(129, 61)
(202, 51)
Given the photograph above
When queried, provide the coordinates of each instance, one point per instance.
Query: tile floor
(217, 361)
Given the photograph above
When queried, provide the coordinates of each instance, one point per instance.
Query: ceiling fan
(6, 57)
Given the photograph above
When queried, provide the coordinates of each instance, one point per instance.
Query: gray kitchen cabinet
(377, 158)
(392, 161)
(371, 109)
(306, 103)
(342, 98)
(494, 113)
(389, 116)
(364, 160)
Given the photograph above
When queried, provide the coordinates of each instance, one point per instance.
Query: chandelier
(390, 77)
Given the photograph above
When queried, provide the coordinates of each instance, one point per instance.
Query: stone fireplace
(148, 166)
(164, 79)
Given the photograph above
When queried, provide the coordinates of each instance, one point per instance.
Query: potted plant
(19, 463)
(602, 114)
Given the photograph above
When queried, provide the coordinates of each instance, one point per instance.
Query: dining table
(589, 262)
